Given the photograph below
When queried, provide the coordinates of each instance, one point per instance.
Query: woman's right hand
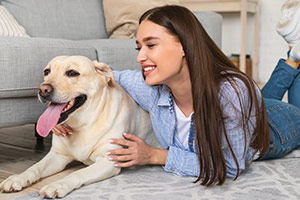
(63, 130)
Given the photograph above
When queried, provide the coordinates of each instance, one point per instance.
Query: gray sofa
(60, 27)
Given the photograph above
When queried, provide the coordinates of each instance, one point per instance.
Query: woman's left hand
(137, 152)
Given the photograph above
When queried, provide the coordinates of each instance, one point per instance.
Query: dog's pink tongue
(49, 119)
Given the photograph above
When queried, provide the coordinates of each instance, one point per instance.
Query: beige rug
(264, 180)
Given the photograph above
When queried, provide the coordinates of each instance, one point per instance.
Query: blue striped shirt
(158, 101)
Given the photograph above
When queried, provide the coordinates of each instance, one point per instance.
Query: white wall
(272, 46)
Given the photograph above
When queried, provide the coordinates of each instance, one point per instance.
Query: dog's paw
(56, 189)
(14, 183)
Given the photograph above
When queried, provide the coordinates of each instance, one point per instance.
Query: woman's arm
(133, 82)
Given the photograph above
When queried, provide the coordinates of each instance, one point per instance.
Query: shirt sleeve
(182, 162)
(133, 82)
(232, 109)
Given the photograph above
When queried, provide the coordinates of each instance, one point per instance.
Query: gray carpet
(273, 179)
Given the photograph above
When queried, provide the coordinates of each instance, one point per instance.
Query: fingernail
(111, 141)
(70, 133)
(124, 133)
(110, 158)
(108, 153)
(116, 165)
(63, 134)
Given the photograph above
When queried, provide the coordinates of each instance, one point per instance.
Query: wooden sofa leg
(39, 145)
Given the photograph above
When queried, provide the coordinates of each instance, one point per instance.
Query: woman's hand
(137, 152)
(63, 130)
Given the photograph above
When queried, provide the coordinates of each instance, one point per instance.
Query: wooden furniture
(241, 6)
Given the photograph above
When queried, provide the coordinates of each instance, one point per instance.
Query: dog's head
(69, 81)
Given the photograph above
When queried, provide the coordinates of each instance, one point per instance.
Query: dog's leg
(100, 170)
(50, 164)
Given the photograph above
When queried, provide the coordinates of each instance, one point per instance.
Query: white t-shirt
(183, 125)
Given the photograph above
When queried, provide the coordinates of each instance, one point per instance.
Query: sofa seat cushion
(67, 19)
(22, 61)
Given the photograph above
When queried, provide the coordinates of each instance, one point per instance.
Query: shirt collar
(165, 97)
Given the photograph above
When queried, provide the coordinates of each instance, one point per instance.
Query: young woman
(209, 117)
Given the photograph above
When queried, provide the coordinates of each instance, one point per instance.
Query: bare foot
(292, 63)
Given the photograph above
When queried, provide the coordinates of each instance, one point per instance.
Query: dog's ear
(103, 69)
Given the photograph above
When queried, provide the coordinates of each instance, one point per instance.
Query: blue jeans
(283, 118)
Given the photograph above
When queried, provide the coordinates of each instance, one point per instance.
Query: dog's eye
(72, 73)
(46, 72)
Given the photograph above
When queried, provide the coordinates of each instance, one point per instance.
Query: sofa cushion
(68, 19)
(22, 61)
(122, 16)
(119, 54)
(9, 27)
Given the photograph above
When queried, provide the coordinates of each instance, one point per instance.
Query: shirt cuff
(182, 162)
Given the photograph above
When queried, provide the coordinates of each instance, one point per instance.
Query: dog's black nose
(45, 90)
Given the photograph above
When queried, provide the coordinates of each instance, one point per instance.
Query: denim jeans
(283, 118)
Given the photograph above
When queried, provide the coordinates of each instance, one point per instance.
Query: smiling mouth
(148, 70)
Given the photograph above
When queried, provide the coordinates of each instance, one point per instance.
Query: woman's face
(160, 54)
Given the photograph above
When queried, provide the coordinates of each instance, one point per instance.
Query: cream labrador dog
(85, 97)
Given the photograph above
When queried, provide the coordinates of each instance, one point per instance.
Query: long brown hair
(209, 67)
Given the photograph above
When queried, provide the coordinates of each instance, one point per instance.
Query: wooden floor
(18, 152)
